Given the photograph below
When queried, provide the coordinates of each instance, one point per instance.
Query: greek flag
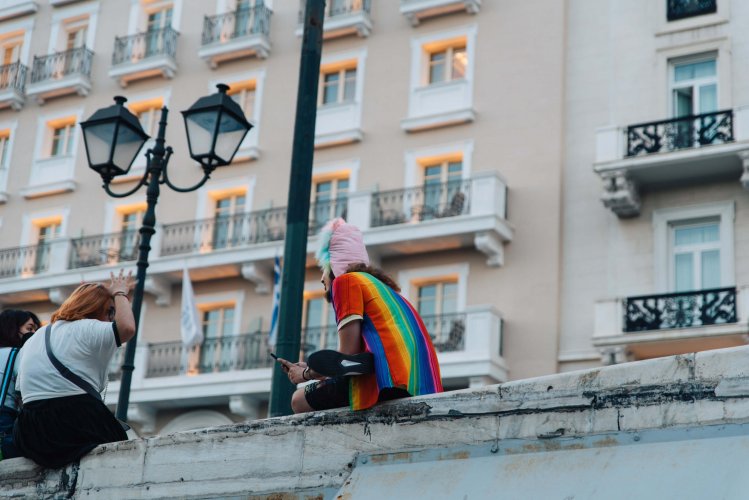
(189, 321)
(276, 303)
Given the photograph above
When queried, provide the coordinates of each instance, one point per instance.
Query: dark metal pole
(297, 217)
(156, 165)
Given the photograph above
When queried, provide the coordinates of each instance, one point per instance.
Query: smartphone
(272, 355)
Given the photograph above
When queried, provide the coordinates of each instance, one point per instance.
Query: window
(447, 63)
(694, 87)
(681, 9)
(4, 148)
(46, 231)
(243, 93)
(227, 228)
(443, 194)
(75, 34)
(437, 304)
(696, 255)
(338, 84)
(63, 133)
(437, 299)
(10, 49)
(156, 23)
(329, 200)
(218, 330)
(148, 113)
(319, 331)
(130, 222)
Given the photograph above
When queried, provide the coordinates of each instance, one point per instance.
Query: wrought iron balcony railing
(447, 331)
(134, 48)
(315, 338)
(24, 260)
(681, 9)
(214, 355)
(680, 133)
(240, 23)
(323, 211)
(13, 76)
(230, 231)
(340, 8)
(680, 310)
(103, 249)
(61, 64)
(432, 201)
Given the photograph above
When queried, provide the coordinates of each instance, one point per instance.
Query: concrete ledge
(314, 454)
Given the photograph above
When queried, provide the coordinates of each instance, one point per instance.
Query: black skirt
(56, 432)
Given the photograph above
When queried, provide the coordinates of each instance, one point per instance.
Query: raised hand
(120, 283)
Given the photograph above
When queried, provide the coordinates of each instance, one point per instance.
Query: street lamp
(113, 136)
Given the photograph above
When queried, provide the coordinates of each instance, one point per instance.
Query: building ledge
(12, 98)
(48, 89)
(418, 10)
(17, 9)
(257, 45)
(419, 123)
(338, 138)
(680, 400)
(48, 189)
(161, 65)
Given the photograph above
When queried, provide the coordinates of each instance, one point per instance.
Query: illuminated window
(229, 220)
(338, 83)
(75, 33)
(329, 200)
(148, 112)
(243, 94)
(63, 132)
(157, 21)
(10, 48)
(218, 331)
(443, 190)
(447, 61)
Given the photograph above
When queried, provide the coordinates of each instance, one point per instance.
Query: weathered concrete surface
(312, 455)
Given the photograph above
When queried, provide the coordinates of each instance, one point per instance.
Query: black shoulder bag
(65, 372)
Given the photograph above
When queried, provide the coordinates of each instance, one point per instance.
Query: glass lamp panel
(200, 129)
(230, 135)
(99, 140)
(127, 147)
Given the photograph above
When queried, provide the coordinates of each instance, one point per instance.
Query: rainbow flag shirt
(393, 332)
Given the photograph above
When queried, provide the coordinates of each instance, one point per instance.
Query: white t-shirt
(85, 347)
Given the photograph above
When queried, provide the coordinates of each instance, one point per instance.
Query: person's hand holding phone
(295, 371)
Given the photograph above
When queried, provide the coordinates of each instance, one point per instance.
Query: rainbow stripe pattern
(393, 332)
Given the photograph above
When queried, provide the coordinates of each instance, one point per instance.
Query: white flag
(192, 334)
(273, 336)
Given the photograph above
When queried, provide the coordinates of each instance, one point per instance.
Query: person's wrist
(120, 293)
(305, 373)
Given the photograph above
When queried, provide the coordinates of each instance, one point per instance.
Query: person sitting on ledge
(385, 351)
(63, 416)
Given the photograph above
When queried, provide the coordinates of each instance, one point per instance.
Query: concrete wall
(315, 454)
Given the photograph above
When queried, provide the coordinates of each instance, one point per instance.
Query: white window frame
(60, 17)
(340, 97)
(5, 169)
(694, 84)
(249, 149)
(28, 236)
(407, 278)
(206, 204)
(413, 171)
(663, 223)
(360, 56)
(420, 56)
(721, 48)
(339, 167)
(235, 296)
(113, 212)
(27, 27)
(139, 10)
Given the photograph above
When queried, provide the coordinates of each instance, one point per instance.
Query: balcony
(418, 10)
(652, 155)
(682, 9)
(61, 73)
(658, 325)
(12, 86)
(144, 55)
(234, 35)
(235, 370)
(104, 249)
(10, 9)
(439, 105)
(342, 18)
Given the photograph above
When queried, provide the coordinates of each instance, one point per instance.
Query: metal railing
(229, 231)
(315, 338)
(20, 261)
(214, 355)
(447, 331)
(680, 133)
(103, 249)
(432, 201)
(335, 8)
(680, 310)
(61, 64)
(240, 23)
(681, 9)
(321, 212)
(133, 48)
(13, 76)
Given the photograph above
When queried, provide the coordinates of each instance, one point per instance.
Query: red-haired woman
(15, 328)
(60, 422)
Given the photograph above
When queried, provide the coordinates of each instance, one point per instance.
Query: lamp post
(215, 125)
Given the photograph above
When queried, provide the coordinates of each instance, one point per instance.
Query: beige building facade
(439, 133)
(655, 230)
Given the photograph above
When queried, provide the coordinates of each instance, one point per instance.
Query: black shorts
(334, 393)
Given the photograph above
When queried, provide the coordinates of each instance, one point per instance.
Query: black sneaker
(335, 364)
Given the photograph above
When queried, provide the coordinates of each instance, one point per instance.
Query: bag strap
(64, 371)
(8, 375)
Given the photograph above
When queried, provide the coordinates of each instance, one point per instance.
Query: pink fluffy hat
(341, 244)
